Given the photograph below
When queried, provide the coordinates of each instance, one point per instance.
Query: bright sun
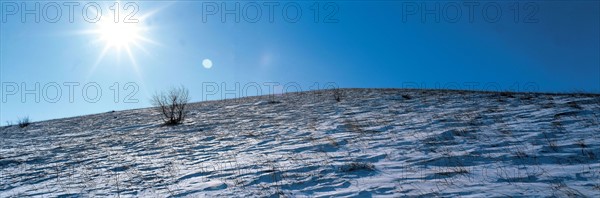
(119, 35)
(121, 31)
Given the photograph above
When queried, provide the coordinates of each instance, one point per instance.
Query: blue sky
(541, 46)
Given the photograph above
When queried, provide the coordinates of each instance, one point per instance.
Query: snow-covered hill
(374, 142)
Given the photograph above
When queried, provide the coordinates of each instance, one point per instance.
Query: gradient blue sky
(554, 48)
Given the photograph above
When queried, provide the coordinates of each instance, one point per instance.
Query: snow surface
(374, 142)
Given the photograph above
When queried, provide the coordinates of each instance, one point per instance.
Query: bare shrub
(23, 122)
(581, 143)
(338, 94)
(172, 104)
(356, 166)
(451, 171)
(507, 94)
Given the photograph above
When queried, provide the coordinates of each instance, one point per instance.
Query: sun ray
(98, 60)
(131, 57)
(140, 47)
(138, 72)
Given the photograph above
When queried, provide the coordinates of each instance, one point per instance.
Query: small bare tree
(172, 104)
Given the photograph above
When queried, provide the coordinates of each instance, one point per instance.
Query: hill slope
(374, 142)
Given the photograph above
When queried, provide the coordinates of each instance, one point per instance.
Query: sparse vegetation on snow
(374, 142)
